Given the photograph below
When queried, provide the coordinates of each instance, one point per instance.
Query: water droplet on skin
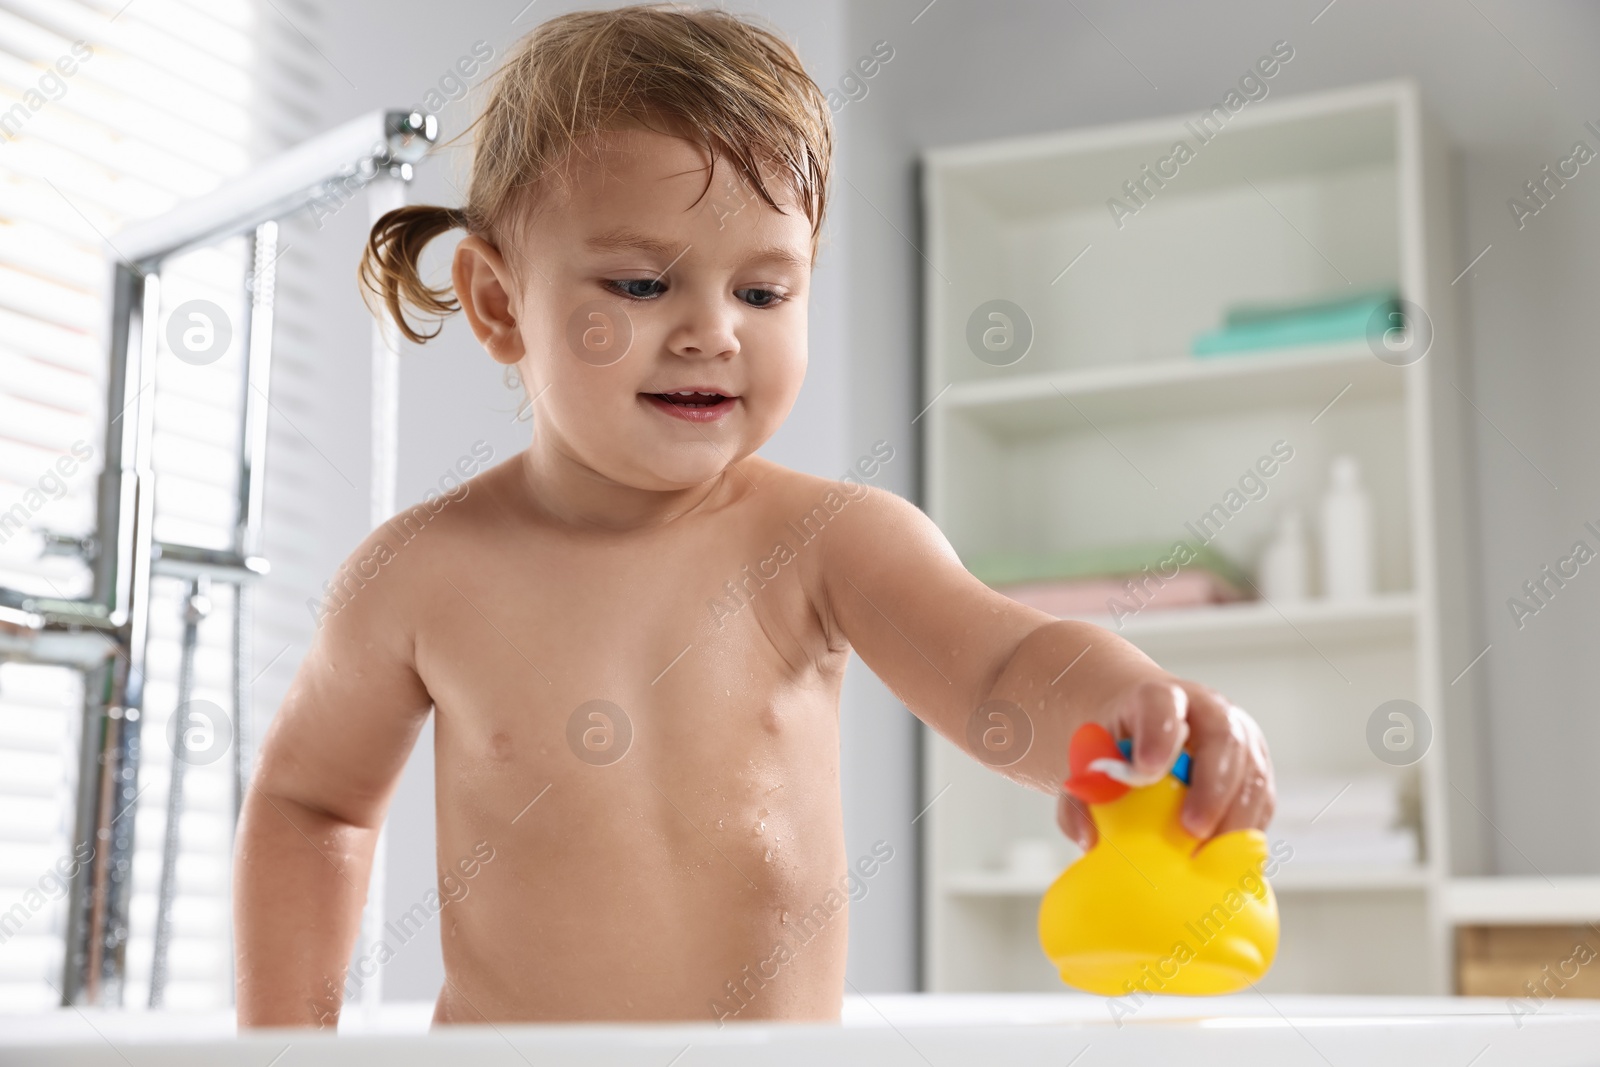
(719, 824)
(768, 857)
(761, 827)
(783, 917)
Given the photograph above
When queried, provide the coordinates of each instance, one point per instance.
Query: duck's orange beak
(1093, 742)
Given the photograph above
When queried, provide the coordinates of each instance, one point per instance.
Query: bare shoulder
(796, 495)
(463, 497)
(860, 530)
(394, 564)
(864, 516)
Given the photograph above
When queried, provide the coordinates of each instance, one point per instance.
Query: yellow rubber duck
(1144, 911)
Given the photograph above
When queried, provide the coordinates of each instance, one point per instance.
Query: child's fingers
(1257, 797)
(1074, 820)
(1220, 752)
(1156, 717)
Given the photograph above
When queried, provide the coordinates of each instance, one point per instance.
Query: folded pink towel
(1095, 596)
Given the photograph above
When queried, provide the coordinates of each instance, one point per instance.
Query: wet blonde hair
(737, 90)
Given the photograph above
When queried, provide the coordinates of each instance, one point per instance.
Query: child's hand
(1230, 777)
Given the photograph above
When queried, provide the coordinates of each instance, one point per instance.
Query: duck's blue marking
(1180, 769)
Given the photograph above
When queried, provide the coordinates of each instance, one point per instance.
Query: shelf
(996, 884)
(1024, 177)
(1108, 431)
(1001, 883)
(1523, 901)
(1029, 404)
(1387, 617)
(1355, 879)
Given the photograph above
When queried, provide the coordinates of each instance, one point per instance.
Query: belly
(684, 860)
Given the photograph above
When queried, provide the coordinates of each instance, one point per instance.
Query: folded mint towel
(1240, 314)
(1286, 326)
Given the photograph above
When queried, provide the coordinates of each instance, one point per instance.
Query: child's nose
(706, 331)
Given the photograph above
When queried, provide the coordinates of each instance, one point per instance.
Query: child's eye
(766, 297)
(627, 287)
(620, 285)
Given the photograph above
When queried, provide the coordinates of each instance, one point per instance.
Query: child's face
(717, 305)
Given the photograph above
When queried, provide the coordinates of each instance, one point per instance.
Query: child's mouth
(692, 405)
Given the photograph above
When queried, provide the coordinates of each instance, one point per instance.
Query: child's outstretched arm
(326, 770)
(947, 644)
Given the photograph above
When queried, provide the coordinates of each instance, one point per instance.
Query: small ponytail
(389, 264)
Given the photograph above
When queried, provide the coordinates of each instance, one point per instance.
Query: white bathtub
(882, 1029)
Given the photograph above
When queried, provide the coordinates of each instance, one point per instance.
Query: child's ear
(484, 286)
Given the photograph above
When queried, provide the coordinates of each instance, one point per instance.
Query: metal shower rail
(104, 635)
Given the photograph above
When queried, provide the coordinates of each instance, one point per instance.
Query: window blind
(112, 112)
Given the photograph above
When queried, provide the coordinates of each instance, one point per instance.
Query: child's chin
(662, 471)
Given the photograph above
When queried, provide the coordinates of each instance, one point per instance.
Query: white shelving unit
(1107, 431)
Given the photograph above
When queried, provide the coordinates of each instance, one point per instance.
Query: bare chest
(677, 653)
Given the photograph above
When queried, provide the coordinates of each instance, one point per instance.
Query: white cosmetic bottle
(1284, 573)
(1346, 535)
